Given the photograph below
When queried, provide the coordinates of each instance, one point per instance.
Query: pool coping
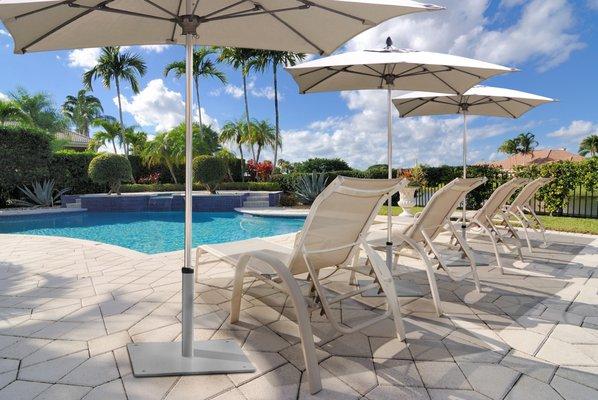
(287, 212)
(39, 211)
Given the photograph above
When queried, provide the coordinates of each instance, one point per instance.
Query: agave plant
(42, 195)
(310, 186)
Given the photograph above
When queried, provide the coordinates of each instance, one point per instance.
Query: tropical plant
(161, 151)
(40, 194)
(235, 132)
(260, 170)
(275, 59)
(589, 145)
(11, 112)
(322, 165)
(209, 170)
(117, 66)
(81, 110)
(203, 67)
(205, 140)
(111, 131)
(310, 186)
(135, 139)
(523, 143)
(286, 167)
(262, 135)
(40, 110)
(110, 169)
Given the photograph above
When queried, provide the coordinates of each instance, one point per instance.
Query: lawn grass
(563, 224)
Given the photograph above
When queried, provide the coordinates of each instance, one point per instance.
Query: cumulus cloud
(3, 97)
(575, 130)
(593, 4)
(83, 58)
(159, 107)
(237, 91)
(154, 48)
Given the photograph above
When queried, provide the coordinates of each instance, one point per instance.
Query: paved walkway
(69, 307)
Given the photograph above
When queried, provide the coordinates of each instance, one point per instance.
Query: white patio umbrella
(390, 69)
(479, 100)
(311, 26)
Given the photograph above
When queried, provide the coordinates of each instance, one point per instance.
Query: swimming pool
(150, 232)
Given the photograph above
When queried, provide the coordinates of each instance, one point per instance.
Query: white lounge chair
(334, 230)
(420, 235)
(485, 220)
(521, 207)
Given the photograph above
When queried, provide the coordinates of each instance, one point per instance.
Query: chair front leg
(469, 255)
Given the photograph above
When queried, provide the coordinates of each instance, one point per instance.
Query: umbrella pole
(389, 201)
(152, 359)
(463, 217)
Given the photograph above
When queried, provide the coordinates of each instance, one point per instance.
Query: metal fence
(582, 203)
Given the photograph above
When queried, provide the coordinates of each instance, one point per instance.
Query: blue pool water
(150, 232)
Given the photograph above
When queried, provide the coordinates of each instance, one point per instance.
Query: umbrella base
(210, 357)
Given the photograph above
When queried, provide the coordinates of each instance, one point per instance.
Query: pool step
(76, 204)
(256, 203)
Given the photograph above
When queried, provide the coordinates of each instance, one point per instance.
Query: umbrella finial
(388, 43)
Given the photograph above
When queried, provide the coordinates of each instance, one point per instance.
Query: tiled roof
(537, 157)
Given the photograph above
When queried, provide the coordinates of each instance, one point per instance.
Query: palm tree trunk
(114, 146)
(171, 170)
(247, 109)
(242, 163)
(120, 114)
(198, 105)
(276, 115)
(259, 150)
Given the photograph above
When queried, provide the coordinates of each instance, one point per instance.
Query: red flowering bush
(150, 179)
(260, 170)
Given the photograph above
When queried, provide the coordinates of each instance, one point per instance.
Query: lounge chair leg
(352, 278)
(235, 302)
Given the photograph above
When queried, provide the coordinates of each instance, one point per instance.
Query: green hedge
(69, 169)
(24, 156)
(171, 187)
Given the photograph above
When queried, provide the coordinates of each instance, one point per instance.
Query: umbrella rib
(295, 31)
(332, 10)
(248, 13)
(325, 78)
(521, 102)
(418, 106)
(441, 80)
(62, 3)
(221, 9)
(55, 29)
(381, 75)
(159, 7)
(176, 24)
(105, 8)
(467, 72)
(505, 110)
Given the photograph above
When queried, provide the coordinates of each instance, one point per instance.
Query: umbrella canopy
(479, 100)
(309, 26)
(395, 69)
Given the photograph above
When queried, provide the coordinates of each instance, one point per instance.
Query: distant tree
(262, 135)
(135, 139)
(322, 165)
(523, 143)
(110, 131)
(161, 151)
(40, 110)
(235, 132)
(117, 66)
(509, 146)
(81, 110)
(285, 166)
(11, 112)
(589, 145)
(205, 140)
(265, 58)
(203, 67)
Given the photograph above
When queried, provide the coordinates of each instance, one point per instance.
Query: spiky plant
(310, 186)
(42, 195)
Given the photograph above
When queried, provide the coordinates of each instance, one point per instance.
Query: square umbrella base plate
(404, 288)
(210, 357)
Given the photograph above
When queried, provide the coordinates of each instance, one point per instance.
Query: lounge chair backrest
(528, 192)
(339, 215)
(498, 199)
(441, 206)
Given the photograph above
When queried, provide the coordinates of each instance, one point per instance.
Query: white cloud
(3, 33)
(3, 97)
(83, 58)
(237, 91)
(159, 107)
(593, 4)
(154, 48)
(576, 130)
(266, 91)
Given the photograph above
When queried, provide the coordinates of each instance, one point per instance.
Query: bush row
(179, 187)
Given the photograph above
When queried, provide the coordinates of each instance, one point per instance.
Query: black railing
(582, 203)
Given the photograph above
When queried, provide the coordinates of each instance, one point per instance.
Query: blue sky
(553, 42)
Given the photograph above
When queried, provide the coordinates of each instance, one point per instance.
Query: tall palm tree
(82, 109)
(589, 146)
(509, 146)
(265, 58)
(526, 142)
(135, 139)
(117, 66)
(111, 132)
(159, 151)
(262, 135)
(203, 67)
(235, 132)
(11, 112)
(241, 59)
(40, 110)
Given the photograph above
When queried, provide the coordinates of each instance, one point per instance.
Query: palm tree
(235, 132)
(82, 109)
(111, 131)
(276, 58)
(509, 146)
(11, 112)
(203, 67)
(241, 59)
(262, 135)
(117, 66)
(526, 142)
(134, 139)
(39, 109)
(589, 146)
(160, 151)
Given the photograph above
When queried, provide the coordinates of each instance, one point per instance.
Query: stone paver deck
(68, 308)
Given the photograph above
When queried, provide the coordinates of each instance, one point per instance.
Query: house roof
(537, 157)
(75, 140)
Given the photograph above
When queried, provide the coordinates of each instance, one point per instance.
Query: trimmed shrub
(171, 187)
(110, 169)
(210, 171)
(69, 169)
(322, 165)
(24, 156)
